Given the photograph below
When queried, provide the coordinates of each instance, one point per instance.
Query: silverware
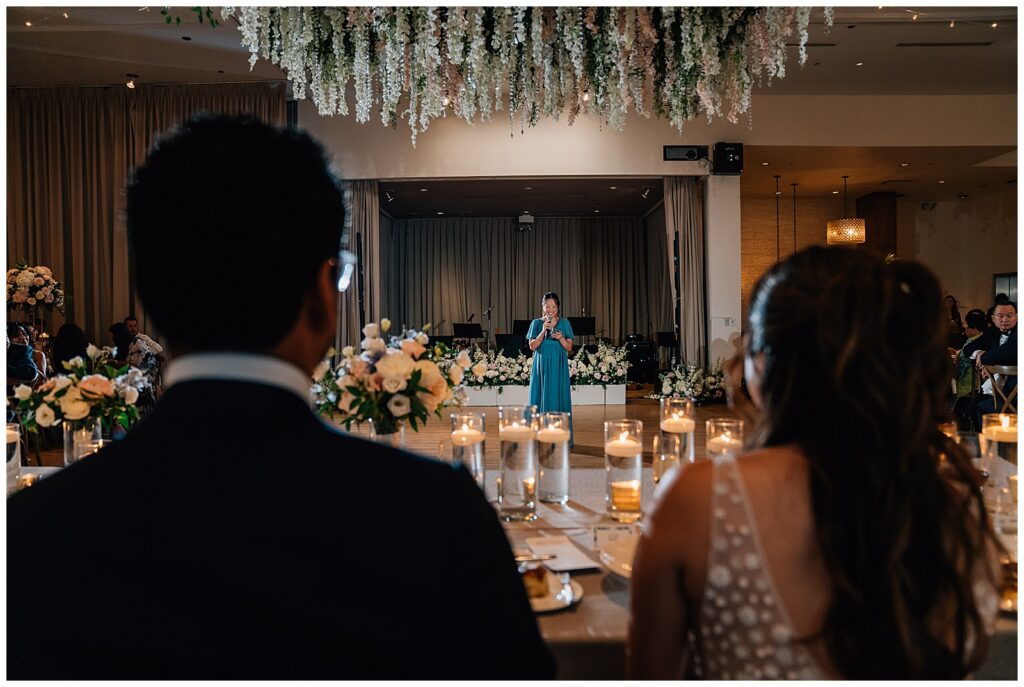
(566, 594)
(531, 557)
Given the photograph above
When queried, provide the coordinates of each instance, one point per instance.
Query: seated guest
(69, 343)
(21, 366)
(998, 346)
(842, 545)
(232, 534)
(132, 323)
(966, 375)
(132, 350)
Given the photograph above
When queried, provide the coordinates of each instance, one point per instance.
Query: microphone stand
(487, 335)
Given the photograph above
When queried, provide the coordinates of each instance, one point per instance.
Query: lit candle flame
(623, 436)
(464, 427)
(1005, 419)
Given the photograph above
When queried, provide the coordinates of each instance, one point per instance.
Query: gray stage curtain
(684, 216)
(70, 153)
(448, 269)
(361, 238)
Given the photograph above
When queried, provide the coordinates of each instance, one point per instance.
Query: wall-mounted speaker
(727, 158)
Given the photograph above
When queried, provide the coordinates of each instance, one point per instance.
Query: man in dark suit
(233, 534)
(997, 346)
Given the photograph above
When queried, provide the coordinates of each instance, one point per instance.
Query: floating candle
(516, 432)
(677, 425)
(724, 443)
(623, 447)
(467, 436)
(552, 435)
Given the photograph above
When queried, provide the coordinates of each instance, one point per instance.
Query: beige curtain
(684, 218)
(448, 269)
(70, 153)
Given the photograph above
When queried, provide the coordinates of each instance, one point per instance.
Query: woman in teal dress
(550, 339)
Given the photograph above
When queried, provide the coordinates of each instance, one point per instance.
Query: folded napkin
(568, 555)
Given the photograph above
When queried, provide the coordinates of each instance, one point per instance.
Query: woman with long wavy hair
(850, 539)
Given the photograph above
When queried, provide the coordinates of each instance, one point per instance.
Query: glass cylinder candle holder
(517, 485)
(677, 418)
(623, 461)
(666, 454)
(998, 439)
(553, 457)
(13, 457)
(469, 434)
(724, 435)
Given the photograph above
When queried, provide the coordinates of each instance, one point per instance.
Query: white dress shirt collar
(239, 367)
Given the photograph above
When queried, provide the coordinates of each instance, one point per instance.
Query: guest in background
(550, 339)
(955, 323)
(1001, 298)
(132, 350)
(998, 346)
(38, 356)
(132, 323)
(21, 367)
(189, 549)
(69, 342)
(966, 375)
(841, 545)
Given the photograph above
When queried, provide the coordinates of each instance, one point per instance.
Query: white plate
(617, 556)
(556, 600)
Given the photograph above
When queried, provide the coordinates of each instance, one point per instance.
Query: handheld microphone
(488, 311)
(547, 329)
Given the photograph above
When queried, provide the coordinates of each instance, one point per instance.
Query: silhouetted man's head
(231, 223)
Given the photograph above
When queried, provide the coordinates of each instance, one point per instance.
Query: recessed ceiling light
(904, 164)
(527, 188)
(764, 164)
(440, 213)
(952, 23)
(860, 64)
(995, 24)
(28, 23)
(597, 211)
(835, 193)
(942, 181)
(612, 188)
(422, 190)
(914, 17)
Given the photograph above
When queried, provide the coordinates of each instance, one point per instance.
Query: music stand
(467, 330)
(510, 345)
(666, 340)
(521, 327)
(582, 326)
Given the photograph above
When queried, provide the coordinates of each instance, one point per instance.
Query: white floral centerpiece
(93, 391)
(29, 288)
(390, 382)
(606, 366)
(694, 382)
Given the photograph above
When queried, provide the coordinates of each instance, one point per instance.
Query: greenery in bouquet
(692, 381)
(390, 380)
(91, 391)
(606, 366)
(29, 288)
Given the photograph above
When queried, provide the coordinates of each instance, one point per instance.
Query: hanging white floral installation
(673, 62)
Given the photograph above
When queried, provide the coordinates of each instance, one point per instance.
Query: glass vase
(389, 434)
(80, 440)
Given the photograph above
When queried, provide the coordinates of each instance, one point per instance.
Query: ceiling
(899, 55)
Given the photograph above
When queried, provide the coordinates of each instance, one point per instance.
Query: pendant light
(846, 230)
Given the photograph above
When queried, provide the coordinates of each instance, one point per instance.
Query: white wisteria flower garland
(674, 63)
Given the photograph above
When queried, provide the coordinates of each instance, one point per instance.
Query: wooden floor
(588, 427)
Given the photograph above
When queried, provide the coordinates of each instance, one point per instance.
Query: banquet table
(588, 639)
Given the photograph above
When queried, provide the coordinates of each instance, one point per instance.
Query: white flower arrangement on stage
(29, 288)
(92, 391)
(673, 62)
(692, 381)
(606, 366)
(489, 369)
(390, 381)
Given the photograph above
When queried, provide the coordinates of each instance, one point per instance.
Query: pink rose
(96, 386)
(412, 348)
(375, 382)
(358, 368)
(38, 281)
(19, 297)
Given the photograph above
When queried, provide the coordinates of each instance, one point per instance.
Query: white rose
(92, 351)
(393, 385)
(25, 278)
(385, 325)
(31, 301)
(463, 361)
(61, 381)
(395, 364)
(45, 417)
(73, 406)
(130, 394)
(399, 405)
(479, 370)
(422, 339)
(374, 346)
(21, 392)
(371, 331)
(455, 374)
(348, 351)
(74, 362)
